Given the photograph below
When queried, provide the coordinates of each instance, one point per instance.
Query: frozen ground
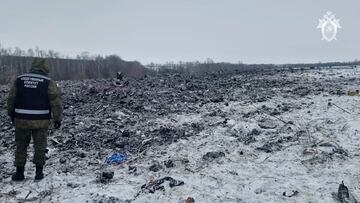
(285, 148)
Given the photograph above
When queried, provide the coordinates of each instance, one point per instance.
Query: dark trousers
(22, 140)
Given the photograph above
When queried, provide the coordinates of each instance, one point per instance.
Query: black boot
(39, 173)
(19, 175)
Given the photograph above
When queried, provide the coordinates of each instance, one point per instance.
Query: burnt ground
(134, 116)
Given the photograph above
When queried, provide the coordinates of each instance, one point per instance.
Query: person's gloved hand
(57, 124)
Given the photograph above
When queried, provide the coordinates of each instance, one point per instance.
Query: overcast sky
(251, 31)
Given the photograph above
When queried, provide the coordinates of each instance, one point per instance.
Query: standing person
(33, 100)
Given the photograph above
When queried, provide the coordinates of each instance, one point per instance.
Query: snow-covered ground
(299, 154)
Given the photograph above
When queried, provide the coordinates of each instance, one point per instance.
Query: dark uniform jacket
(34, 99)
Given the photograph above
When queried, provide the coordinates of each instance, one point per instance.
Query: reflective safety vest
(32, 99)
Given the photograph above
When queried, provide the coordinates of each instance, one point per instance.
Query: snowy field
(284, 147)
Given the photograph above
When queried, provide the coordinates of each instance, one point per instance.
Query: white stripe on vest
(32, 112)
(35, 75)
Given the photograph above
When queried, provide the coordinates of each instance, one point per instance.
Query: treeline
(14, 62)
(209, 66)
(354, 63)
